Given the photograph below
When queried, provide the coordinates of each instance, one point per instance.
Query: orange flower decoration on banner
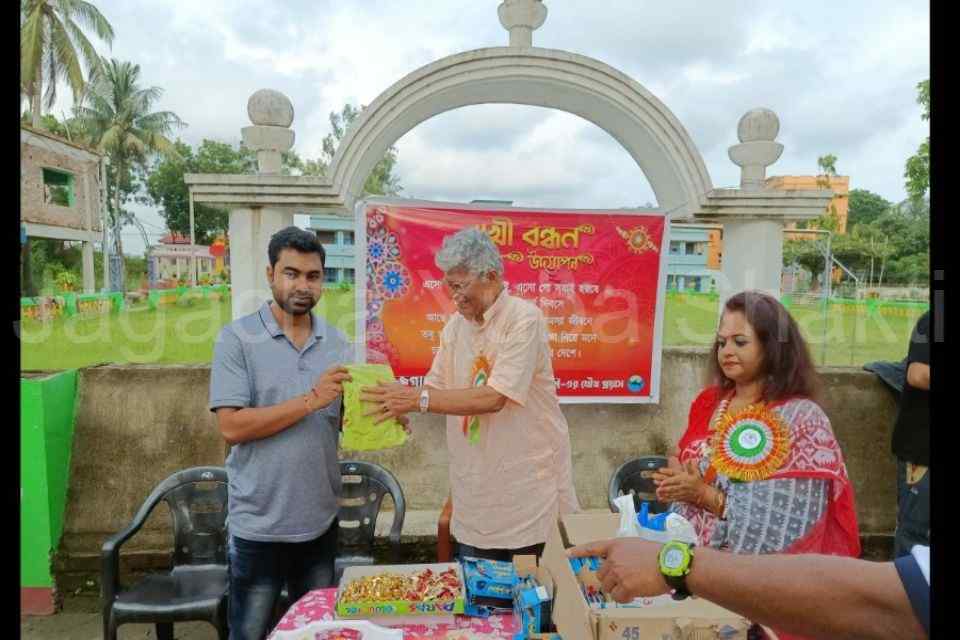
(637, 239)
(751, 444)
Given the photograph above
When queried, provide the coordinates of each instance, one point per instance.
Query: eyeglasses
(458, 287)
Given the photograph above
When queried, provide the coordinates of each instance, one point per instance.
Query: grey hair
(470, 249)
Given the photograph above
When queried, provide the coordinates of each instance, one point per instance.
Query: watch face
(673, 559)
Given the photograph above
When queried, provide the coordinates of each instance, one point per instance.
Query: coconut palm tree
(117, 118)
(53, 46)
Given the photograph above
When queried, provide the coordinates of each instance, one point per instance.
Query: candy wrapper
(401, 590)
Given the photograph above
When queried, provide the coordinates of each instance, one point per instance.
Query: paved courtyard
(80, 620)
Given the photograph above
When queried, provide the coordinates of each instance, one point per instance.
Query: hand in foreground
(329, 386)
(389, 400)
(631, 567)
(679, 483)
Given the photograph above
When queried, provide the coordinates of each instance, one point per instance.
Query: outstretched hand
(630, 569)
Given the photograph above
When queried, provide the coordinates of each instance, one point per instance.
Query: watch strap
(679, 586)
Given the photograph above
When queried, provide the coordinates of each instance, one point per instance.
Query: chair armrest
(110, 555)
(444, 545)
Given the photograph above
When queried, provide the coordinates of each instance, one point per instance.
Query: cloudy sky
(841, 76)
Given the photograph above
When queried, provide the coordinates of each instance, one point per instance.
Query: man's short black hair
(295, 238)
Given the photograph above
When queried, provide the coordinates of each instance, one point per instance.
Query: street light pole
(828, 281)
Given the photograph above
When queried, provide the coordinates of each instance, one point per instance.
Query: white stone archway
(752, 215)
(569, 82)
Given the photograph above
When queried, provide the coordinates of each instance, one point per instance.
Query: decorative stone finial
(270, 108)
(521, 18)
(758, 124)
(271, 113)
(757, 150)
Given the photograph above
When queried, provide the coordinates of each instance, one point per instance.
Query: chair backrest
(197, 498)
(364, 485)
(635, 477)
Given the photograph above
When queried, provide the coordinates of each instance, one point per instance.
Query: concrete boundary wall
(135, 425)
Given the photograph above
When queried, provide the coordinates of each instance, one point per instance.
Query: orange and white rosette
(750, 445)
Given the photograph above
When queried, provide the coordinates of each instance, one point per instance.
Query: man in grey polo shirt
(276, 385)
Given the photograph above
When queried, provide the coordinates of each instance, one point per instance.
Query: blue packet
(531, 604)
(489, 578)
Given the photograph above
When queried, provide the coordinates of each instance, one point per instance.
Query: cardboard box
(658, 619)
(527, 617)
(398, 611)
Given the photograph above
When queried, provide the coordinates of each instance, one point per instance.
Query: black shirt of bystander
(911, 433)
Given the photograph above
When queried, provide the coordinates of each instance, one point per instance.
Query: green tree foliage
(808, 253)
(827, 166)
(917, 172)
(865, 207)
(50, 123)
(53, 47)
(891, 248)
(119, 120)
(381, 180)
(166, 189)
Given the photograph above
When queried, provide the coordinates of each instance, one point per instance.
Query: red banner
(598, 276)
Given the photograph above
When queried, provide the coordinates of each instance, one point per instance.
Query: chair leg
(223, 632)
(164, 631)
(221, 619)
(109, 628)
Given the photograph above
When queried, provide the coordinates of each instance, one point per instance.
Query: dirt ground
(80, 620)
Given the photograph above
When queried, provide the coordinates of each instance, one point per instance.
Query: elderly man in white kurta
(510, 466)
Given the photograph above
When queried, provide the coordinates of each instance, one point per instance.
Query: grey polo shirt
(283, 488)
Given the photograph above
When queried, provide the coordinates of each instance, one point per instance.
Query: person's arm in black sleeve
(918, 357)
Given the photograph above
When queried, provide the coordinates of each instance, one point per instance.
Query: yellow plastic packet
(359, 431)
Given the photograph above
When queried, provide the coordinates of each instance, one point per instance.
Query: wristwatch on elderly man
(424, 399)
(675, 560)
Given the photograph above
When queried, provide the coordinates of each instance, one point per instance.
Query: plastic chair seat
(185, 592)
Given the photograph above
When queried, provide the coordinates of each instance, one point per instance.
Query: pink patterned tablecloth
(321, 604)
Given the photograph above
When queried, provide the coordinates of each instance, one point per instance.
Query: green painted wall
(46, 436)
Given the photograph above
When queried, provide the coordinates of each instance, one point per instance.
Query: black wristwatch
(675, 560)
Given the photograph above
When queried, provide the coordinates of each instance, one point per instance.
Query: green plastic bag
(359, 432)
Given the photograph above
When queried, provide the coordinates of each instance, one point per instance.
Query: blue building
(337, 235)
(693, 259)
